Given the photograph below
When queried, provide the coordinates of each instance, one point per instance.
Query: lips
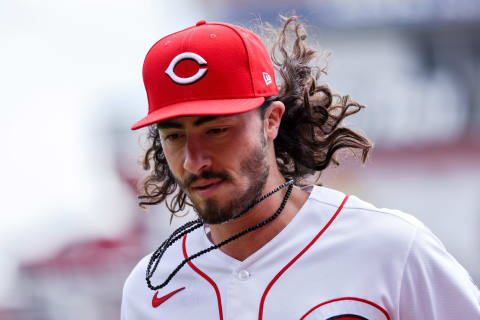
(205, 189)
(204, 183)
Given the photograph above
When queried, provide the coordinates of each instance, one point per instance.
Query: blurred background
(71, 87)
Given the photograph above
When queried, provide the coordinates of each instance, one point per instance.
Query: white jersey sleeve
(136, 295)
(123, 309)
(434, 285)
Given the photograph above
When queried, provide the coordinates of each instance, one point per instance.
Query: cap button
(199, 23)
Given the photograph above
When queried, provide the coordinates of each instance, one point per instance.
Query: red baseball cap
(209, 69)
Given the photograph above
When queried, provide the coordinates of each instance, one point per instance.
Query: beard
(254, 167)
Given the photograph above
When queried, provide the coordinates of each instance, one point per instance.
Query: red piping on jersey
(201, 273)
(348, 298)
(288, 265)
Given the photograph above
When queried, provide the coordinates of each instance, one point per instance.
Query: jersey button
(243, 275)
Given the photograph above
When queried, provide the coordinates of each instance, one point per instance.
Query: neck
(245, 246)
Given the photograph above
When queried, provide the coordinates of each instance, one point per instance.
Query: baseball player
(231, 144)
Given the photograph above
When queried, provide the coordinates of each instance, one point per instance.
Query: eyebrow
(176, 125)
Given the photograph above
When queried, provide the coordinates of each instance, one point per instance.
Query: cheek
(174, 160)
(239, 147)
(245, 149)
(251, 136)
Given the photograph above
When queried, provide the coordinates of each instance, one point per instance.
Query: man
(230, 144)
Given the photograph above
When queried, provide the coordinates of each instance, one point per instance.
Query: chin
(212, 211)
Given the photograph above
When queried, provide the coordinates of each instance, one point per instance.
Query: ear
(273, 118)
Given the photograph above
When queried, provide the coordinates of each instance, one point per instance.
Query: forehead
(197, 121)
(180, 122)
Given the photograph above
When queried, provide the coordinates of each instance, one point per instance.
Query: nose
(197, 157)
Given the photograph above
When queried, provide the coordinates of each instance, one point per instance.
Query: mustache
(191, 178)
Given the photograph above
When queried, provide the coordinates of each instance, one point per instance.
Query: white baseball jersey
(339, 258)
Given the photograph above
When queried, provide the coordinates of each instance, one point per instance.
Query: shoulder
(135, 291)
(362, 212)
(135, 286)
(136, 278)
(137, 296)
(136, 281)
(375, 231)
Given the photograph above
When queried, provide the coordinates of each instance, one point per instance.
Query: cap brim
(200, 108)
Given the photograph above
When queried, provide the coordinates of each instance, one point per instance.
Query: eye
(172, 137)
(217, 130)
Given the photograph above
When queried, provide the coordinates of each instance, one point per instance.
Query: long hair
(310, 132)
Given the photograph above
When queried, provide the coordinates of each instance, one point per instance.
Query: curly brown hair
(310, 132)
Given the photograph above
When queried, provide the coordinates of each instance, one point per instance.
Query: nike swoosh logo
(156, 301)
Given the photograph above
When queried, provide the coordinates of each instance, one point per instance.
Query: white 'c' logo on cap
(187, 56)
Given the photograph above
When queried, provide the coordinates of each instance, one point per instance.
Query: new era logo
(267, 78)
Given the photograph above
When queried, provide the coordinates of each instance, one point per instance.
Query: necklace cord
(195, 224)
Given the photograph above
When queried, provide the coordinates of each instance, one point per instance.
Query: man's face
(220, 162)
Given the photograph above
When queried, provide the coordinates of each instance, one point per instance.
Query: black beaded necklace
(195, 224)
